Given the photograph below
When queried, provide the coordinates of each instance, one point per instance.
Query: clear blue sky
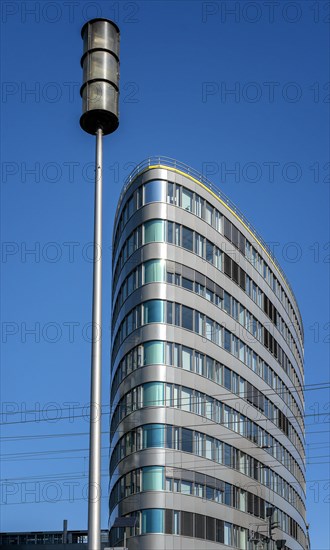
(178, 61)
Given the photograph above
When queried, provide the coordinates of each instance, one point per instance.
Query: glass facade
(207, 373)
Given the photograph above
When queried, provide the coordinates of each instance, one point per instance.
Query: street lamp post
(100, 93)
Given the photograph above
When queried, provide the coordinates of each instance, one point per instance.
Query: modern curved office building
(207, 405)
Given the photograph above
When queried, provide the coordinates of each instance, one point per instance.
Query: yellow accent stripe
(226, 206)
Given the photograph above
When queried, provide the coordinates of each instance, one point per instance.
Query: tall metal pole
(100, 98)
(94, 488)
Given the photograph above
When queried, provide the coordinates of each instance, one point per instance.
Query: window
(154, 191)
(187, 238)
(227, 340)
(199, 204)
(154, 231)
(177, 314)
(154, 271)
(169, 395)
(199, 363)
(209, 328)
(209, 295)
(153, 436)
(227, 265)
(153, 394)
(218, 452)
(169, 484)
(176, 522)
(227, 379)
(235, 236)
(154, 353)
(130, 206)
(186, 400)
(241, 351)
(217, 222)
(186, 487)
(177, 195)
(208, 407)
(170, 229)
(209, 251)
(131, 283)
(177, 233)
(154, 311)
(187, 524)
(153, 478)
(169, 438)
(187, 199)
(187, 318)
(199, 322)
(208, 447)
(152, 521)
(227, 228)
(209, 368)
(209, 493)
(199, 526)
(187, 283)
(187, 440)
(199, 490)
(226, 302)
(199, 245)
(170, 193)
(208, 213)
(186, 358)
(227, 455)
(227, 533)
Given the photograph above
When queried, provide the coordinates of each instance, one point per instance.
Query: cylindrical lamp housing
(100, 89)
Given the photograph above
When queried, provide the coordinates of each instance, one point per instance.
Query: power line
(242, 395)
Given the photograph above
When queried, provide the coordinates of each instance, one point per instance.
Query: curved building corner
(207, 406)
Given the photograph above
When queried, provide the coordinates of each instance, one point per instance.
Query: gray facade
(207, 404)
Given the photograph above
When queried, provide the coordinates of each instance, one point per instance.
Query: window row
(188, 482)
(163, 191)
(161, 231)
(199, 444)
(160, 270)
(159, 353)
(161, 394)
(179, 356)
(190, 441)
(186, 524)
(161, 311)
(154, 478)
